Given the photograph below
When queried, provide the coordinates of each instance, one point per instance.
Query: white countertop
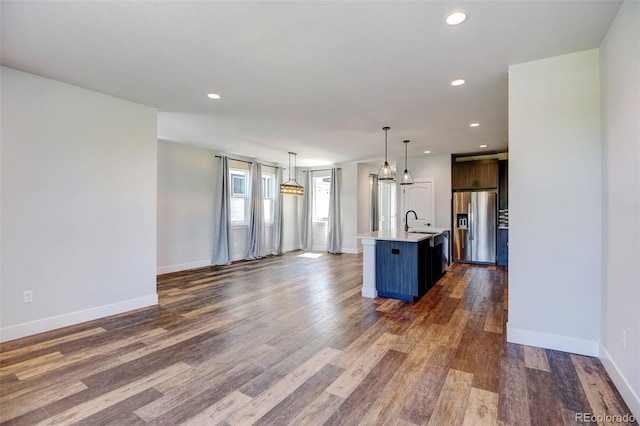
(401, 234)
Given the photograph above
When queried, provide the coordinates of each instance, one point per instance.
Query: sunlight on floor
(311, 255)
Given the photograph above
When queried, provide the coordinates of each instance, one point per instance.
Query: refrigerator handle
(470, 221)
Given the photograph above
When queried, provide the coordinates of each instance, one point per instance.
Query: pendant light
(407, 179)
(385, 173)
(292, 187)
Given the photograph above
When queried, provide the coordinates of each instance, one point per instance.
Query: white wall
(291, 227)
(620, 68)
(363, 172)
(78, 204)
(349, 205)
(186, 182)
(555, 196)
(437, 167)
(186, 177)
(349, 212)
(318, 229)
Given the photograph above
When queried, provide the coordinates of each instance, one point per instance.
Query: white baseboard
(351, 250)
(290, 248)
(556, 342)
(47, 324)
(370, 293)
(628, 394)
(182, 267)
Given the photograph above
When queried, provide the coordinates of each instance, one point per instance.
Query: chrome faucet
(406, 220)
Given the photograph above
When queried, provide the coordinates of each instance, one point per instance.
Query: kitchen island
(403, 265)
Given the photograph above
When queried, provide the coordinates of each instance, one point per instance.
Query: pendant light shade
(292, 187)
(407, 179)
(385, 173)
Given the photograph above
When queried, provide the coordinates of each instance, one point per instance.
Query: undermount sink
(422, 231)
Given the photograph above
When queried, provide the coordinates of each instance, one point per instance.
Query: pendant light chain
(407, 179)
(385, 144)
(405, 154)
(385, 173)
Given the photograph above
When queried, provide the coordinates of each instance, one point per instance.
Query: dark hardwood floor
(289, 340)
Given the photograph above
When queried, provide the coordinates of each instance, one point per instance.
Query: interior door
(419, 197)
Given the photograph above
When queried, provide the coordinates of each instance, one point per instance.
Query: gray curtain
(222, 215)
(255, 239)
(276, 232)
(306, 230)
(334, 227)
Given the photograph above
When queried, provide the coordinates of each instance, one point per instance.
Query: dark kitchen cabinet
(402, 269)
(481, 174)
(435, 271)
(502, 249)
(503, 184)
(502, 238)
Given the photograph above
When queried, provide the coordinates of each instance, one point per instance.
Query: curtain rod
(235, 159)
(320, 170)
(275, 167)
(248, 162)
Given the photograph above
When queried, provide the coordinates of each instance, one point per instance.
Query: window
(268, 196)
(238, 183)
(239, 203)
(387, 200)
(321, 186)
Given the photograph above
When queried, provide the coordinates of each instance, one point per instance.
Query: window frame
(233, 177)
(325, 178)
(235, 173)
(268, 182)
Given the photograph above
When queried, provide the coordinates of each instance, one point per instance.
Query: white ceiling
(318, 78)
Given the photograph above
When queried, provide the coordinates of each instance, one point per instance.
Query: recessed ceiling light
(213, 96)
(474, 124)
(456, 17)
(483, 146)
(458, 82)
(427, 152)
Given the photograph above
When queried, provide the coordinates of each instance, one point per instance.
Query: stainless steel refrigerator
(474, 227)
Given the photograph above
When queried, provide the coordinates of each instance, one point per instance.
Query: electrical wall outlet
(623, 338)
(28, 296)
